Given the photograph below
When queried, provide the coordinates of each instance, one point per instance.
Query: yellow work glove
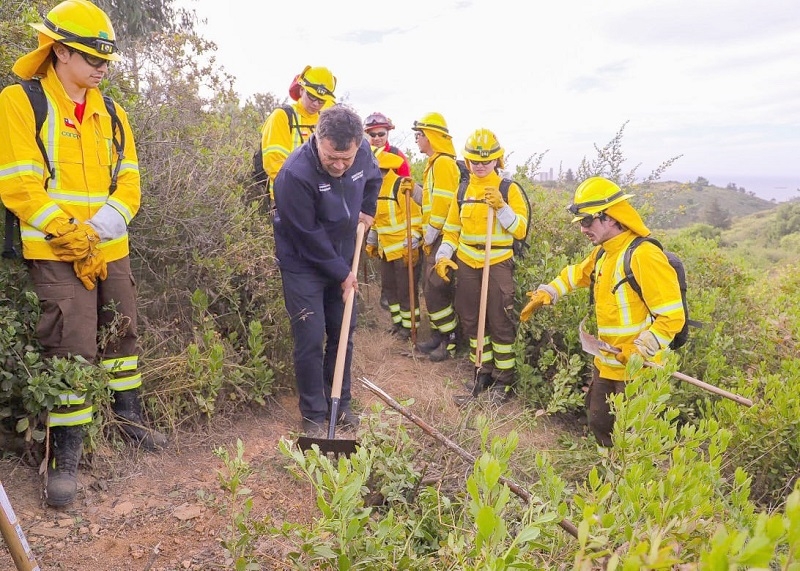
(626, 351)
(538, 298)
(494, 198)
(414, 256)
(442, 266)
(91, 268)
(406, 185)
(75, 244)
(427, 248)
(372, 250)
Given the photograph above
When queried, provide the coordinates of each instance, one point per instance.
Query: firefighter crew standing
(387, 240)
(324, 190)
(74, 226)
(376, 129)
(465, 236)
(623, 319)
(440, 183)
(312, 91)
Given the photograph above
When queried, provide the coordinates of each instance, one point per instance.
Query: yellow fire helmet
(78, 24)
(432, 122)
(319, 82)
(594, 195)
(387, 160)
(482, 145)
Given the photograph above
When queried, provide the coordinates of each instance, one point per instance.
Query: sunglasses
(481, 163)
(419, 135)
(314, 99)
(377, 134)
(94, 61)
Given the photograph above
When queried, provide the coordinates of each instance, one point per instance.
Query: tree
(717, 216)
(569, 176)
(701, 181)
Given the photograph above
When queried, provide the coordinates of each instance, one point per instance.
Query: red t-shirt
(80, 109)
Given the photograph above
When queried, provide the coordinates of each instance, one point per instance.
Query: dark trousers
(316, 309)
(598, 411)
(501, 326)
(394, 279)
(439, 294)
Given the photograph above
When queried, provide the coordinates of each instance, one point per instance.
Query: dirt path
(162, 512)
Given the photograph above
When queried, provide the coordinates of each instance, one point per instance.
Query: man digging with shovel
(623, 319)
(326, 188)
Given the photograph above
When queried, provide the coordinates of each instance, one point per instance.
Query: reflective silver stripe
(126, 383)
(76, 418)
(71, 399)
(117, 364)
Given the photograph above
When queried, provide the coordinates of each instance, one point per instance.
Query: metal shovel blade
(328, 446)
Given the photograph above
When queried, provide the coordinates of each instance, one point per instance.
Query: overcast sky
(717, 81)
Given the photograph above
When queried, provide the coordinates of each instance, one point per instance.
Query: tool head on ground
(330, 445)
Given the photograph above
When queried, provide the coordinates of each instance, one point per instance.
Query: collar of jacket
(618, 242)
(54, 88)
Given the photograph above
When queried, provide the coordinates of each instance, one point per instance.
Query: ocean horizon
(775, 188)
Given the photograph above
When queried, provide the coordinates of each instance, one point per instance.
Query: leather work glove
(647, 344)
(76, 244)
(414, 256)
(538, 298)
(442, 266)
(91, 268)
(427, 248)
(494, 198)
(372, 250)
(406, 185)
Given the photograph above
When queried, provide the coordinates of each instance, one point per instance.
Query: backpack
(38, 100)
(520, 245)
(682, 336)
(259, 175)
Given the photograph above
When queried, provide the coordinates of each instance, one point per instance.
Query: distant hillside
(676, 205)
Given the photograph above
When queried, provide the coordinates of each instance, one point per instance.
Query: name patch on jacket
(358, 175)
(324, 187)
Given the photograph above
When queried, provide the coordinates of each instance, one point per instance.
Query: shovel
(330, 444)
(487, 262)
(520, 492)
(593, 346)
(21, 553)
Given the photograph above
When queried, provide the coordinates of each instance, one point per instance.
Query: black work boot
(66, 445)
(430, 344)
(128, 409)
(445, 349)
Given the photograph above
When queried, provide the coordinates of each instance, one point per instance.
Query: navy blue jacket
(317, 214)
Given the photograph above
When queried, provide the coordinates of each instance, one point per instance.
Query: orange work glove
(91, 268)
(414, 256)
(538, 298)
(75, 244)
(372, 250)
(406, 185)
(493, 198)
(442, 266)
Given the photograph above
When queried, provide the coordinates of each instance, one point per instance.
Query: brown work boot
(128, 408)
(314, 429)
(62, 467)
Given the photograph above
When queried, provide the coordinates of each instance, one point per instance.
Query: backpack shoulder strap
(38, 100)
(626, 264)
(118, 139)
(291, 115)
(505, 184)
(593, 278)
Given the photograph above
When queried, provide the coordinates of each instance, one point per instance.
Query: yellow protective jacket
(465, 228)
(82, 156)
(391, 216)
(277, 141)
(622, 316)
(439, 186)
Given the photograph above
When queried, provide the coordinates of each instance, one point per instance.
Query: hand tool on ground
(593, 346)
(518, 490)
(330, 444)
(14, 537)
(411, 288)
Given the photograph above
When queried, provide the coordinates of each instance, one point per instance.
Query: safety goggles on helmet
(418, 125)
(378, 120)
(576, 208)
(317, 88)
(100, 45)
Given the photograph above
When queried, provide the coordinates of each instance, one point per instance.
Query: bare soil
(137, 511)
